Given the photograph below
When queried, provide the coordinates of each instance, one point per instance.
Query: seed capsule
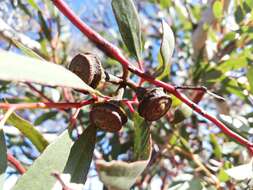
(154, 103)
(108, 116)
(88, 67)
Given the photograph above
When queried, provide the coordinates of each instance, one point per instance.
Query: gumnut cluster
(109, 115)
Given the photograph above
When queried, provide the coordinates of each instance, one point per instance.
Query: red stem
(114, 52)
(46, 105)
(16, 163)
(39, 92)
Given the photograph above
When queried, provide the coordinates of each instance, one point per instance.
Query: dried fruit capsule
(88, 67)
(154, 103)
(108, 116)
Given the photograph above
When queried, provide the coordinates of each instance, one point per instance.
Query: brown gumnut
(154, 103)
(88, 67)
(108, 116)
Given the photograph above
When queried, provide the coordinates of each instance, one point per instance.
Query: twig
(58, 177)
(39, 92)
(46, 105)
(16, 163)
(202, 89)
(114, 52)
(117, 80)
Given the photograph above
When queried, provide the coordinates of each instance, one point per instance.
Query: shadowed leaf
(166, 50)
(129, 25)
(3, 157)
(142, 144)
(45, 117)
(80, 157)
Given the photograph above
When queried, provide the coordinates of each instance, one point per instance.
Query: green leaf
(250, 77)
(165, 3)
(129, 25)
(3, 148)
(217, 9)
(233, 63)
(53, 159)
(29, 131)
(80, 157)
(195, 184)
(45, 117)
(249, 3)
(3, 158)
(175, 101)
(142, 139)
(27, 51)
(118, 174)
(241, 172)
(223, 176)
(166, 49)
(229, 37)
(33, 4)
(217, 150)
(46, 30)
(239, 15)
(14, 67)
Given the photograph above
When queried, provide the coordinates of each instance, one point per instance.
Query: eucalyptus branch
(46, 105)
(115, 53)
(117, 80)
(16, 163)
(38, 92)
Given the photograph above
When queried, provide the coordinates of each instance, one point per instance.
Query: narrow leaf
(235, 62)
(3, 148)
(129, 25)
(217, 9)
(142, 144)
(33, 4)
(166, 49)
(45, 117)
(250, 77)
(217, 150)
(14, 67)
(27, 51)
(29, 131)
(239, 15)
(3, 158)
(44, 26)
(80, 157)
(53, 159)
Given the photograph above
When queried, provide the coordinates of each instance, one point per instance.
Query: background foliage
(213, 48)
